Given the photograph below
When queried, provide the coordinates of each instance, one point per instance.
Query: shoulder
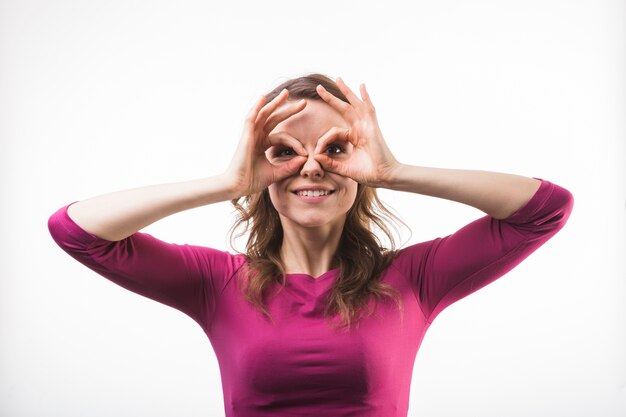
(216, 263)
(410, 259)
(416, 250)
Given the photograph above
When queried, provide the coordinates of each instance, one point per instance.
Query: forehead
(311, 122)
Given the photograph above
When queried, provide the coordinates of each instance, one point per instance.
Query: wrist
(392, 176)
(219, 188)
(232, 187)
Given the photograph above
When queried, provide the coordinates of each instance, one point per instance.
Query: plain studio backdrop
(100, 96)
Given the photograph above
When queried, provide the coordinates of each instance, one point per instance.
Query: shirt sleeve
(445, 270)
(186, 277)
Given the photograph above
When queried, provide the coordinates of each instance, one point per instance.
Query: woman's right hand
(250, 171)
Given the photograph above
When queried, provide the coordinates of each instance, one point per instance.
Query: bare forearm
(119, 214)
(497, 194)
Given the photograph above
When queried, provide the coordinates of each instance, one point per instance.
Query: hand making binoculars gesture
(367, 159)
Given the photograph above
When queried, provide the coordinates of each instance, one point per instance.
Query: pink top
(299, 366)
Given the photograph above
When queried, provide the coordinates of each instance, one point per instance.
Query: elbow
(55, 228)
(566, 203)
(562, 201)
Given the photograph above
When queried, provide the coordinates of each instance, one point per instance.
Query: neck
(310, 250)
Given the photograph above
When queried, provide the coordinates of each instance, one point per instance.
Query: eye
(335, 149)
(281, 152)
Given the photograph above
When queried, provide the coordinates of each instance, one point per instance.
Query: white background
(99, 96)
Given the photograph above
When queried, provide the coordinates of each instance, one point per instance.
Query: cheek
(277, 196)
(271, 190)
(351, 192)
(353, 187)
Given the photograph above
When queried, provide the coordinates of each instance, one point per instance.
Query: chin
(318, 220)
(311, 222)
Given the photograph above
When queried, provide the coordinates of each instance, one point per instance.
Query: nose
(312, 168)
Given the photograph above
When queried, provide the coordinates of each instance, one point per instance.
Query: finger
(252, 114)
(366, 98)
(283, 113)
(330, 165)
(333, 134)
(352, 98)
(343, 108)
(289, 168)
(271, 106)
(282, 138)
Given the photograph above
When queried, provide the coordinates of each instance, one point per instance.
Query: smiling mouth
(313, 193)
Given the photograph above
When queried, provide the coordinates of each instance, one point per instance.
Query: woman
(308, 171)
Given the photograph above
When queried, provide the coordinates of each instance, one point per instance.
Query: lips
(313, 193)
(312, 188)
(313, 196)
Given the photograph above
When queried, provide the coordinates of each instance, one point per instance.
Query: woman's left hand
(368, 161)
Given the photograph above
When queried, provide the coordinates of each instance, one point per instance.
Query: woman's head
(279, 205)
(354, 207)
(293, 197)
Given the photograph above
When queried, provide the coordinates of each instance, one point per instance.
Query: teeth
(316, 193)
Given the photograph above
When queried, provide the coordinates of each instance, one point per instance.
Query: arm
(522, 213)
(445, 270)
(185, 277)
(497, 194)
(102, 232)
(117, 215)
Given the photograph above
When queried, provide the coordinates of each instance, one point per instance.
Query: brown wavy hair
(360, 254)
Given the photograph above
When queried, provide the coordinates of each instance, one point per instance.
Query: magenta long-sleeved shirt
(299, 366)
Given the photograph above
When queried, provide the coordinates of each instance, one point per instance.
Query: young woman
(317, 317)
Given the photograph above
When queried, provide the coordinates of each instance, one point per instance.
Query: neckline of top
(324, 276)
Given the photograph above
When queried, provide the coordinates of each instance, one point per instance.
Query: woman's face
(308, 126)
